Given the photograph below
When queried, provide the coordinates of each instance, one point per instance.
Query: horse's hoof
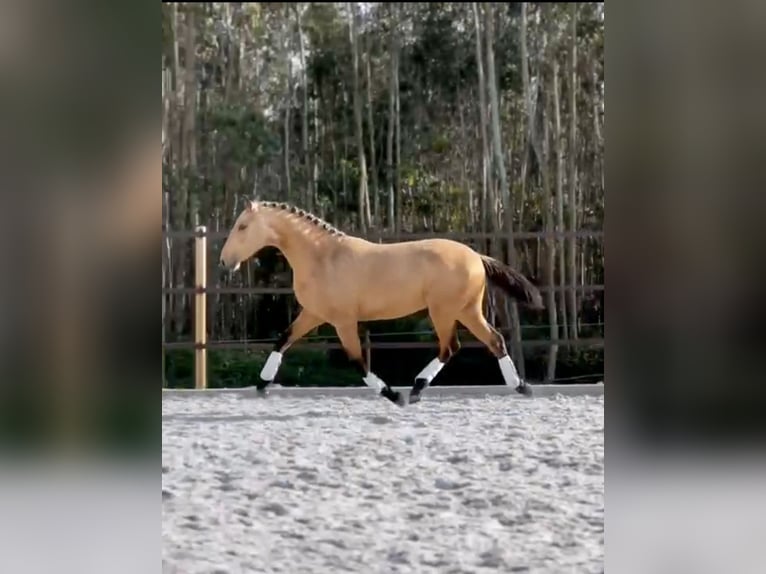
(414, 398)
(394, 396)
(261, 393)
(524, 389)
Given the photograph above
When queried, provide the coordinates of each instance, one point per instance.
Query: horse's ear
(252, 205)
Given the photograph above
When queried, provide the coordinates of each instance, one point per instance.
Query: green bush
(234, 369)
(306, 367)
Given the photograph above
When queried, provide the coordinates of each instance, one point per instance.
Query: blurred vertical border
(684, 408)
(80, 174)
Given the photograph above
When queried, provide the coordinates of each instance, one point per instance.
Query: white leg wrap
(508, 369)
(271, 367)
(373, 381)
(430, 370)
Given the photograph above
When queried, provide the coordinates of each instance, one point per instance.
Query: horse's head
(251, 233)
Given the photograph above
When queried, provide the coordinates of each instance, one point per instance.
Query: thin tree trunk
(343, 188)
(392, 88)
(364, 198)
(227, 62)
(371, 127)
(166, 266)
(505, 193)
(190, 89)
(464, 170)
(315, 160)
(599, 142)
(286, 139)
(288, 112)
(550, 263)
(398, 156)
(165, 207)
(190, 112)
(530, 103)
(175, 124)
(525, 133)
(485, 159)
(572, 73)
(307, 197)
(187, 155)
(561, 296)
(499, 160)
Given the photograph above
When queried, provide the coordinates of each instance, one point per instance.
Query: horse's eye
(242, 226)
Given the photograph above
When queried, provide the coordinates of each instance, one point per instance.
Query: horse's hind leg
(303, 324)
(446, 331)
(349, 338)
(474, 321)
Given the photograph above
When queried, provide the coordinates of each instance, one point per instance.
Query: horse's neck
(299, 248)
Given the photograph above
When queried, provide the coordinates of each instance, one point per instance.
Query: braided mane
(305, 215)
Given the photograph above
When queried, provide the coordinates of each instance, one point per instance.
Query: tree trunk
(465, 183)
(482, 122)
(392, 89)
(175, 124)
(530, 99)
(505, 193)
(550, 262)
(188, 157)
(288, 111)
(190, 89)
(309, 194)
(599, 142)
(572, 73)
(315, 160)
(561, 295)
(398, 156)
(364, 207)
(527, 131)
(371, 127)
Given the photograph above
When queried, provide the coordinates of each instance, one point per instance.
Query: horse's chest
(310, 294)
(319, 296)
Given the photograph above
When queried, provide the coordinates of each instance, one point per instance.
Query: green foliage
(307, 368)
(243, 133)
(441, 144)
(235, 369)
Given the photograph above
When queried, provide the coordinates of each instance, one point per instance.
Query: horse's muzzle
(227, 267)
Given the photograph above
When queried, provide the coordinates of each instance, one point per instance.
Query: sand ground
(339, 484)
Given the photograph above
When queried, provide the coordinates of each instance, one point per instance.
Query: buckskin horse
(342, 280)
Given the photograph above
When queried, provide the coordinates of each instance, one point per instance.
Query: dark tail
(512, 282)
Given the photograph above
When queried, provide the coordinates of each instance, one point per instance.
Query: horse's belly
(391, 306)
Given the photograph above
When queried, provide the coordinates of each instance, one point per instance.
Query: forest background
(478, 121)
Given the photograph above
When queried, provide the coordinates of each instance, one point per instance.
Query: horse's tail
(512, 282)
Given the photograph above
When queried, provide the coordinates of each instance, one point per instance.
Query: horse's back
(442, 254)
(383, 281)
(439, 267)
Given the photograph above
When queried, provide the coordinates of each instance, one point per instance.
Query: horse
(342, 280)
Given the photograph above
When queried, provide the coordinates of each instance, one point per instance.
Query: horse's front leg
(349, 338)
(304, 323)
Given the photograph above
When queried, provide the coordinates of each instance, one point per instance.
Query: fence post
(200, 315)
